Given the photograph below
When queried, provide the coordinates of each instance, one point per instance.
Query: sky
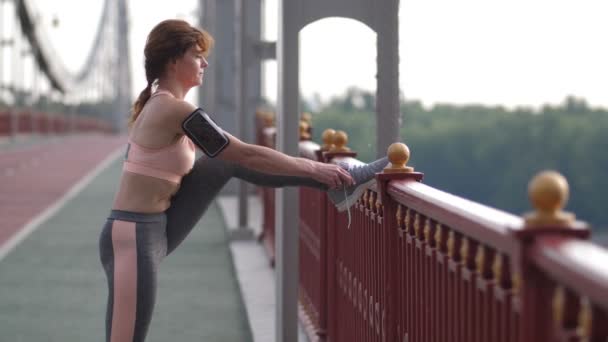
(511, 53)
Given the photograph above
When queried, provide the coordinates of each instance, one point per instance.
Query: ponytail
(144, 96)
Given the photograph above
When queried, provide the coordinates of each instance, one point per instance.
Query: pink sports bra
(169, 163)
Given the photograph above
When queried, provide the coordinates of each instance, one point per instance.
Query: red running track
(33, 177)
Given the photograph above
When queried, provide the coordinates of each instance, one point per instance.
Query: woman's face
(189, 69)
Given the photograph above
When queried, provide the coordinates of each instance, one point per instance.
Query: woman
(163, 192)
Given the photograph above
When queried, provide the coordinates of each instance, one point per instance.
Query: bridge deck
(53, 287)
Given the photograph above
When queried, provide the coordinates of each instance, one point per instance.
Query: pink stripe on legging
(125, 281)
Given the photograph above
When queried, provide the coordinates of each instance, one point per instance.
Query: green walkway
(52, 286)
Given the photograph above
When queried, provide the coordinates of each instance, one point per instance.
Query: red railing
(26, 121)
(419, 264)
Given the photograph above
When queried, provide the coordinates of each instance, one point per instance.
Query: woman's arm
(264, 159)
(267, 160)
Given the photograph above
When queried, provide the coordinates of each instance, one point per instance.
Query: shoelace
(347, 206)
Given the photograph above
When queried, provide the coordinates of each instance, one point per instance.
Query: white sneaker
(364, 177)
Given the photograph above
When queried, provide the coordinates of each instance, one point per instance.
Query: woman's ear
(171, 65)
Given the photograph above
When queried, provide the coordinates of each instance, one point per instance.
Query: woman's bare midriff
(144, 194)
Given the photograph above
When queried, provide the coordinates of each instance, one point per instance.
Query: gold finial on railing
(548, 192)
(585, 319)
(398, 154)
(372, 200)
(451, 243)
(464, 250)
(480, 259)
(340, 139)
(497, 269)
(304, 130)
(267, 117)
(417, 218)
(515, 282)
(558, 303)
(437, 237)
(427, 231)
(328, 139)
(408, 218)
(307, 117)
(399, 216)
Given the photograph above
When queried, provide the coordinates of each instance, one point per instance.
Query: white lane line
(51, 210)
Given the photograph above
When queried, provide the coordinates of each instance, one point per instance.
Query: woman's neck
(172, 87)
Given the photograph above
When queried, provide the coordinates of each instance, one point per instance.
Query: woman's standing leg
(131, 248)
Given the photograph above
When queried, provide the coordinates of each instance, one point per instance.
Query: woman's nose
(204, 63)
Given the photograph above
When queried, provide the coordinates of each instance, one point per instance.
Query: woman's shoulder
(182, 108)
(170, 110)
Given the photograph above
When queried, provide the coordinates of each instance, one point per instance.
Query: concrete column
(216, 94)
(241, 63)
(208, 21)
(124, 69)
(387, 93)
(247, 84)
(287, 201)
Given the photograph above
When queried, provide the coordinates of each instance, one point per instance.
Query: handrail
(580, 265)
(475, 220)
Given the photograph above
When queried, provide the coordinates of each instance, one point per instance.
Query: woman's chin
(195, 84)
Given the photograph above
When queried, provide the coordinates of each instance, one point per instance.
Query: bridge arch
(294, 15)
(323, 64)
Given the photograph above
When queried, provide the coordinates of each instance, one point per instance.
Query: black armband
(204, 133)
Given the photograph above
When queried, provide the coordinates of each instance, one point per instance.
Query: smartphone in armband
(204, 133)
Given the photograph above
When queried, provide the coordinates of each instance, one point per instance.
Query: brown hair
(167, 41)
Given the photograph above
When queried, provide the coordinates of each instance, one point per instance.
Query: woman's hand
(332, 175)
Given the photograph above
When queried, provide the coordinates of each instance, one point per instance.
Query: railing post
(548, 192)
(313, 251)
(265, 133)
(324, 240)
(326, 311)
(398, 155)
(322, 333)
(334, 145)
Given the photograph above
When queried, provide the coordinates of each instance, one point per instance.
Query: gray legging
(132, 245)
(200, 187)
